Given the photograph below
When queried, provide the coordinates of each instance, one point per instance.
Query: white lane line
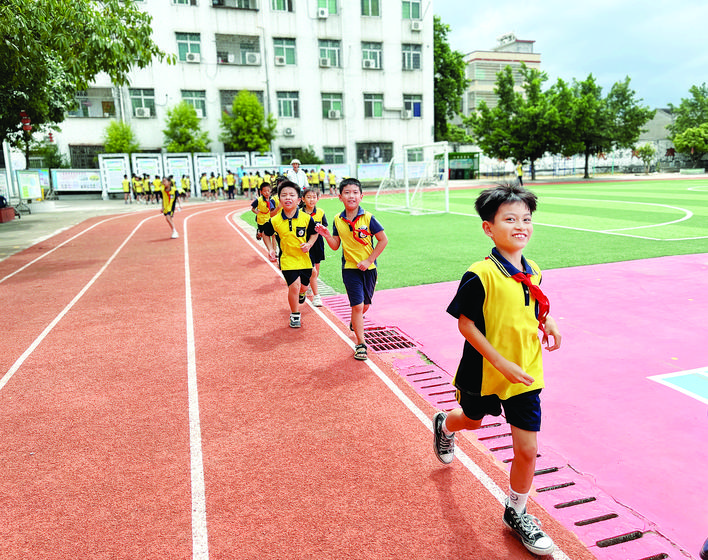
(37, 341)
(470, 465)
(40, 257)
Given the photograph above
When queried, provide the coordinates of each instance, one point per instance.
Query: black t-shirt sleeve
(469, 298)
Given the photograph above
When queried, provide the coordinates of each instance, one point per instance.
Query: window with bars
(373, 105)
(187, 43)
(97, 103)
(374, 152)
(411, 56)
(330, 50)
(243, 50)
(411, 9)
(226, 98)
(197, 99)
(85, 156)
(285, 48)
(370, 8)
(334, 154)
(288, 104)
(371, 54)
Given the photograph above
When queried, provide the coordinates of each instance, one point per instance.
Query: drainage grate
(386, 339)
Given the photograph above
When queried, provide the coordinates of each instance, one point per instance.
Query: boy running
(355, 230)
(500, 307)
(169, 200)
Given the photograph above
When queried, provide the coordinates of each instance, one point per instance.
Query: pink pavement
(639, 446)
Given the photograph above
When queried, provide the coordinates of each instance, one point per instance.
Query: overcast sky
(661, 46)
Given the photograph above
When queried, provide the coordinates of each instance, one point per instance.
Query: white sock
(445, 431)
(518, 501)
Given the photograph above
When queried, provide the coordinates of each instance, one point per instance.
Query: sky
(661, 46)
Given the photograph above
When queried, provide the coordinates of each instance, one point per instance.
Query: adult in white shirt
(297, 175)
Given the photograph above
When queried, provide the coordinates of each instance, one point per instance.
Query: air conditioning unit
(253, 59)
(416, 25)
(325, 63)
(322, 13)
(142, 112)
(368, 63)
(334, 114)
(280, 61)
(406, 114)
(200, 112)
(288, 132)
(193, 57)
(231, 58)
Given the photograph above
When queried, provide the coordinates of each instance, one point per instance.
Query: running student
(295, 234)
(263, 207)
(500, 307)
(355, 229)
(317, 253)
(169, 200)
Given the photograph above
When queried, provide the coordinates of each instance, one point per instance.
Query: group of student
(144, 190)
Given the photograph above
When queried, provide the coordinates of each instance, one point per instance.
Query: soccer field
(575, 224)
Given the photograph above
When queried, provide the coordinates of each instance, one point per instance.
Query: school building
(351, 78)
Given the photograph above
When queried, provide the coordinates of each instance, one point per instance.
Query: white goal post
(418, 184)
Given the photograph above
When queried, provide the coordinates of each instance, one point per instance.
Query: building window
(185, 2)
(411, 56)
(413, 103)
(411, 9)
(333, 155)
(142, 102)
(373, 104)
(197, 99)
(288, 104)
(331, 102)
(284, 51)
(370, 8)
(371, 52)
(85, 157)
(415, 155)
(282, 5)
(187, 43)
(97, 103)
(331, 5)
(374, 152)
(238, 49)
(288, 154)
(329, 50)
(226, 97)
(239, 4)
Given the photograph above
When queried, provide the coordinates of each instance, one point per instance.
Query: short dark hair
(489, 200)
(289, 184)
(349, 181)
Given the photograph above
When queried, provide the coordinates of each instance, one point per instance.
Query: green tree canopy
(307, 156)
(449, 84)
(692, 112)
(646, 153)
(693, 142)
(247, 129)
(50, 49)
(119, 138)
(183, 131)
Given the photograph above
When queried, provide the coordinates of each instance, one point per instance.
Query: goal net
(419, 183)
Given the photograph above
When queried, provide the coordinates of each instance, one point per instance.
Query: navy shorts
(292, 275)
(521, 411)
(360, 285)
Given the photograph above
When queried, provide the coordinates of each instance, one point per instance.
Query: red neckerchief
(352, 225)
(544, 305)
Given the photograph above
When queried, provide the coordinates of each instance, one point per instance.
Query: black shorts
(360, 285)
(521, 411)
(292, 275)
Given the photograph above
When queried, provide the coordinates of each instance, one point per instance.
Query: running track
(154, 404)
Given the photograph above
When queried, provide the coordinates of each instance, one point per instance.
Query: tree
(50, 49)
(307, 156)
(247, 129)
(627, 116)
(449, 84)
(692, 112)
(693, 142)
(183, 132)
(119, 138)
(646, 153)
(521, 127)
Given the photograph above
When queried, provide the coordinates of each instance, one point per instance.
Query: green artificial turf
(575, 224)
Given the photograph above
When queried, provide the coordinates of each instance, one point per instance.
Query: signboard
(178, 165)
(266, 159)
(4, 191)
(234, 160)
(147, 164)
(86, 180)
(30, 187)
(113, 167)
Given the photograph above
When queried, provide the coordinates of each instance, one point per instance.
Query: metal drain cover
(386, 339)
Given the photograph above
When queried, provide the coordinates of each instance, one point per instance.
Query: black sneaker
(528, 528)
(360, 352)
(295, 320)
(444, 446)
(301, 298)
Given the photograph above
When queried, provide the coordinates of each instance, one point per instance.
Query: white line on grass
(470, 465)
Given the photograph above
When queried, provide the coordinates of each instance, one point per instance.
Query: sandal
(360, 352)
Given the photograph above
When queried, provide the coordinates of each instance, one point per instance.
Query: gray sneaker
(444, 446)
(528, 528)
(295, 320)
